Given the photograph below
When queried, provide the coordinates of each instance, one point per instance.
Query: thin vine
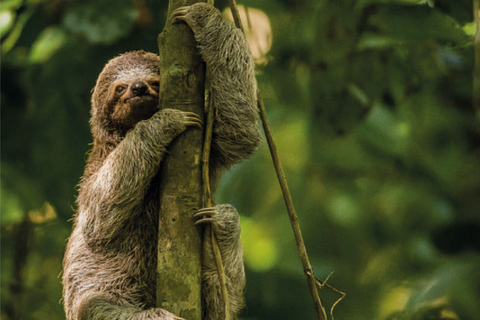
(207, 196)
(313, 283)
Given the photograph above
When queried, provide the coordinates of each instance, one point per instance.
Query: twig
(307, 268)
(343, 294)
(236, 15)
(207, 198)
(324, 283)
(207, 146)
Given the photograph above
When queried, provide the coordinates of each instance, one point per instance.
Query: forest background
(373, 107)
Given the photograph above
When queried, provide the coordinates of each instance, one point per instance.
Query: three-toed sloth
(110, 261)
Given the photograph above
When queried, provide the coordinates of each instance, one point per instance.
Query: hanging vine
(313, 283)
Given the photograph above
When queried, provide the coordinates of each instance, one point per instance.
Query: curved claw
(193, 119)
(205, 215)
(202, 221)
(211, 211)
(180, 14)
(191, 114)
(194, 123)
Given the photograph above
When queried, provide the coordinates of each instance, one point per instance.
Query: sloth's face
(134, 100)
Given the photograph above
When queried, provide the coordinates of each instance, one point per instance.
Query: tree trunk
(182, 80)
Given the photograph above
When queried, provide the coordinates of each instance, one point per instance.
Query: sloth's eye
(155, 85)
(120, 89)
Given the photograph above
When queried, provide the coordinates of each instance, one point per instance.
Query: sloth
(111, 256)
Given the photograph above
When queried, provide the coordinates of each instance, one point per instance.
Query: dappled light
(261, 252)
(45, 214)
(257, 31)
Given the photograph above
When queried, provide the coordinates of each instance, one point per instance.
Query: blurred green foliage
(370, 102)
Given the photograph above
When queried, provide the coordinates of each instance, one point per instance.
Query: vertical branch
(307, 268)
(236, 14)
(182, 75)
(207, 200)
(207, 147)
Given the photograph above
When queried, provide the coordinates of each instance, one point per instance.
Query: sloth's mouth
(134, 109)
(146, 98)
(143, 107)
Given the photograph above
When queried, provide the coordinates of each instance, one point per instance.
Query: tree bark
(182, 80)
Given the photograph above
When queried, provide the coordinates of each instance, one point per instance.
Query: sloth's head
(126, 92)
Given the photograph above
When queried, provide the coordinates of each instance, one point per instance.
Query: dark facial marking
(120, 90)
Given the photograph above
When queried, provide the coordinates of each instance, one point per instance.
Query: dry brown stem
(307, 268)
(207, 198)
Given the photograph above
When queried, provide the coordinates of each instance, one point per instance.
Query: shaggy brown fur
(110, 262)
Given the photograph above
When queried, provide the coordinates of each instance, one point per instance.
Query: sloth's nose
(139, 88)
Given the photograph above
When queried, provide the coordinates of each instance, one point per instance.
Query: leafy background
(370, 102)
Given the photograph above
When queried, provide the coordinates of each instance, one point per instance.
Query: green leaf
(11, 207)
(48, 42)
(470, 28)
(6, 21)
(15, 30)
(11, 4)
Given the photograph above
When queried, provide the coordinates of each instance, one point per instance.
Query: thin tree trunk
(179, 244)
